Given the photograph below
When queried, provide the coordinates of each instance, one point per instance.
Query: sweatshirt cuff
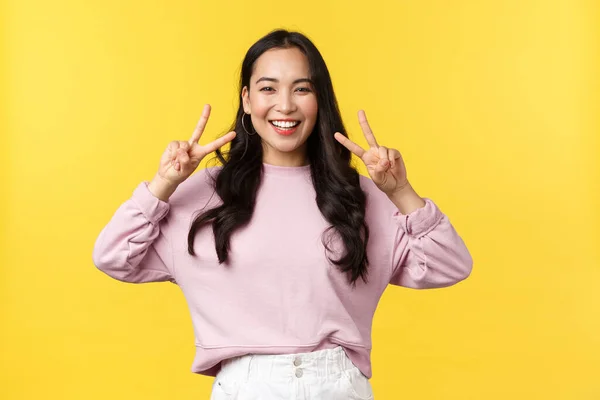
(151, 206)
(421, 221)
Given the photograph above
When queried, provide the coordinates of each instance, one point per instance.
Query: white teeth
(285, 124)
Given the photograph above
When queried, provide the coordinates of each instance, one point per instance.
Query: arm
(427, 250)
(134, 247)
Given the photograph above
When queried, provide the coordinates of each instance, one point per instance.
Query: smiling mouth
(284, 124)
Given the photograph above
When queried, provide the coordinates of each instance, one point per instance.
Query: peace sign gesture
(385, 166)
(181, 158)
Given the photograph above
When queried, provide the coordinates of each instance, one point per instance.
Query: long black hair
(338, 193)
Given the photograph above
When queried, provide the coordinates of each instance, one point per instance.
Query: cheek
(260, 108)
(310, 109)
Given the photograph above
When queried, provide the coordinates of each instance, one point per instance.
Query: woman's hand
(385, 166)
(181, 159)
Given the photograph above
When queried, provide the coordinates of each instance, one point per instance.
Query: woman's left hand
(385, 166)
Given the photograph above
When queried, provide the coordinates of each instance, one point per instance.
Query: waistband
(320, 364)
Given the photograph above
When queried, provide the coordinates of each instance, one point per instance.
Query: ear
(246, 100)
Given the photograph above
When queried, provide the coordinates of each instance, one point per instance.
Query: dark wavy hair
(338, 193)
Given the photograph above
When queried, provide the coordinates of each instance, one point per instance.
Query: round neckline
(278, 170)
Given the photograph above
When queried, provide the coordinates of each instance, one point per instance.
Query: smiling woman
(284, 77)
(285, 264)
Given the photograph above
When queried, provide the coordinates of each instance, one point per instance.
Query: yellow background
(494, 105)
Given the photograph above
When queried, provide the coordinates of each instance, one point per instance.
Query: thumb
(379, 171)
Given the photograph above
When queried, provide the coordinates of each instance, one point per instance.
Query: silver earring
(244, 126)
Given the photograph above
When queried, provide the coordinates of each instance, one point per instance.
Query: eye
(304, 89)
(266, 89)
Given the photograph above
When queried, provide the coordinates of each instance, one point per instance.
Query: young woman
(284, 250)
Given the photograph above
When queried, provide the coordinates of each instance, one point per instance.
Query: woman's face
(283, 105)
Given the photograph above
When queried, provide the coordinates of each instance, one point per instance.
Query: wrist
(161, 188)
(406, 199)
(402, 189)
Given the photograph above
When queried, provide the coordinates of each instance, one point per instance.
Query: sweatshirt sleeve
(134, 246)
(427, 250)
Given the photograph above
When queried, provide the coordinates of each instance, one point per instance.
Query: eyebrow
(264, 78)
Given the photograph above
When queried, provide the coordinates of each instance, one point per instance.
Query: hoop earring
(244, 126)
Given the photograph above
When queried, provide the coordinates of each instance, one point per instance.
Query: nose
(286, 104)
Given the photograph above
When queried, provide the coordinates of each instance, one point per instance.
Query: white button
(298, 372)
(297, 361)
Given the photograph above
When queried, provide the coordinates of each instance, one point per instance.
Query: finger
(172, 150)
(185, 146)
(183, 159)
(379, 171)
(382, 152)
(201, 125)
(349, 144)
(383, 156)
(214, 145)
(175, 149)
(393, 156)
(364, 124)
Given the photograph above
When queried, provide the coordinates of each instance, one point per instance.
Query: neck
(286, 159)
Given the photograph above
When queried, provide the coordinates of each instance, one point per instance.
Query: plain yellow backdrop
(494, 105)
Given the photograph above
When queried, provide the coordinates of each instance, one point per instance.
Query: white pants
(323, 374)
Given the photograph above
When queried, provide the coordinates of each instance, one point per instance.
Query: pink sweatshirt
(278, 294)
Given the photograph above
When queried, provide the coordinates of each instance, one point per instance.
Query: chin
(282, 144)
(282, 148)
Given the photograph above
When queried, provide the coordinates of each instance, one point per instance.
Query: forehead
(281, 64)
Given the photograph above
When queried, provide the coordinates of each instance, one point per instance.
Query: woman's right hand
(181, 159)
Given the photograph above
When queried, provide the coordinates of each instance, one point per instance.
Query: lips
(285, 127)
